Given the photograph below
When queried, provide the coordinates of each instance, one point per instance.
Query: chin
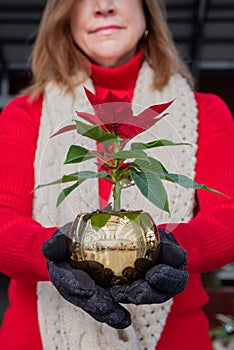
(112, 58)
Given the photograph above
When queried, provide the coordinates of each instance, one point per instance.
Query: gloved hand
(77, 287)
(162, 281)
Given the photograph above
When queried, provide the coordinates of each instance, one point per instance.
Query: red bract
(115, 115)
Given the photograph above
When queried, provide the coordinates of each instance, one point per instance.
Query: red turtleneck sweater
(208, 238)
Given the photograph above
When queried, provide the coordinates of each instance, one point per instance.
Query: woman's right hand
(77, 287)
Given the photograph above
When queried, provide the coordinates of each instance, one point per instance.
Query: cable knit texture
(62, 325)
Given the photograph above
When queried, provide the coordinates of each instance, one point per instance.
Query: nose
(104, 7)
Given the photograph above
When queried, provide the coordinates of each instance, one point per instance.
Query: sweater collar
(119, 78)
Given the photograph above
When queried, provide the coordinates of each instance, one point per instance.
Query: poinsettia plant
(113, 125)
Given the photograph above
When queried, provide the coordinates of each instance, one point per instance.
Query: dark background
(204, 33)
(202, 29)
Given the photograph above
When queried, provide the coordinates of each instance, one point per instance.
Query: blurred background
(204, 33)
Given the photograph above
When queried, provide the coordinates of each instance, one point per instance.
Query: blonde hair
(56, 58)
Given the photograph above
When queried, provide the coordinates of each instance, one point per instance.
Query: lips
(107, 30)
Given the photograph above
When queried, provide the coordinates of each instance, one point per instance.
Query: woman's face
(108, 31)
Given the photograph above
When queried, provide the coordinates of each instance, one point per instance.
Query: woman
(123, 46)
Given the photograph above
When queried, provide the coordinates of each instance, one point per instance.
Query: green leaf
(157, 143)
(151, 186)
(99, 220)
(130, 154)
(186, 182)
(77, 154)
(65, 178)
(151, 164)
(81, 175)
(89, 174)
(66, 191)
(219, 332)
(95, 132)
(132, 216)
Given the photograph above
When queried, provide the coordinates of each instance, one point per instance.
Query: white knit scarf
(63, 326)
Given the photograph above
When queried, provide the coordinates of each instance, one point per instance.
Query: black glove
(162, 281)
(77, 287)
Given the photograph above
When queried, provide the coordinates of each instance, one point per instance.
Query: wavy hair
(56, 58)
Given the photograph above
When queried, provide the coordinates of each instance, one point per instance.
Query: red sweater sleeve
(21, 237)
(209, 236)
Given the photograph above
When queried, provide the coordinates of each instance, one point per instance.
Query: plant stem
(116, 190)
(116, 195)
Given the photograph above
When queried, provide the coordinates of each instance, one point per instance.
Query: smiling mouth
(107, 30)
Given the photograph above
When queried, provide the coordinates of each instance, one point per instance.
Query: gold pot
(115, 241)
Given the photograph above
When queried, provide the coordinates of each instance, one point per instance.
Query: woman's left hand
(161, 282)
